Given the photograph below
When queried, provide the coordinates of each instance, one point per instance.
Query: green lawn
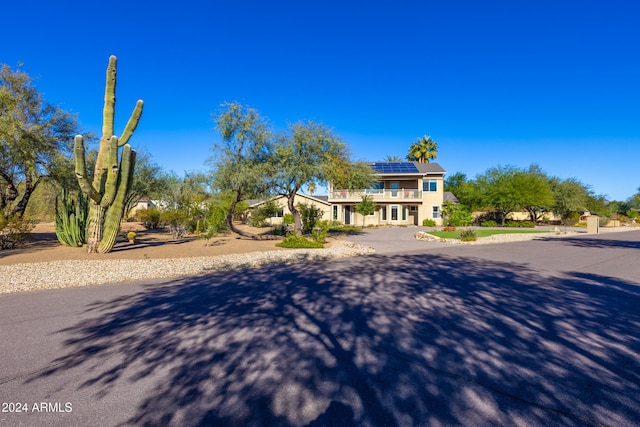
(482, 233)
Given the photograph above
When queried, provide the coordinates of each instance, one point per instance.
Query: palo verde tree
(305, 157)
(34, 141)
(366, 206)
(242, 162)
(423, 150)
(113, 172)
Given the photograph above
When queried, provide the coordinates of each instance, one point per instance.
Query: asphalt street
(542, 332)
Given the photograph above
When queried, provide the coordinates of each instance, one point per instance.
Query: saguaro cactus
(112, 175)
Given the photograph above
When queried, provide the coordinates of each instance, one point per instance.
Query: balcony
(377, 195)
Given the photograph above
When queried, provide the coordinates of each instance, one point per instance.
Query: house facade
(318, 202)
(405, 194)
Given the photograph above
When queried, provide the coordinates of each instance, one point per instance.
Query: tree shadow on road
(381, 341)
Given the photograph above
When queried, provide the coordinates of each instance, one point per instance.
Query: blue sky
(492, 82)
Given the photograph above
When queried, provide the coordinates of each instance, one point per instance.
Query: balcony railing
(386, 194)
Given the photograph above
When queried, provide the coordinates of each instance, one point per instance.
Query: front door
(347, 215)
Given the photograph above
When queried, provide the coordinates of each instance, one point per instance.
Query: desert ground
(43, 246)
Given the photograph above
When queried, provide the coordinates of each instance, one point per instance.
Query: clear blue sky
(495, 82)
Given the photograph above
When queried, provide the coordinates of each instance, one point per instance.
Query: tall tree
(533, 192)
(570, 196)
(305, 157)
(35, 140)
(423, 150)
(243, 161)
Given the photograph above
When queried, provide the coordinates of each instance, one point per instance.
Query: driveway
(527, 333)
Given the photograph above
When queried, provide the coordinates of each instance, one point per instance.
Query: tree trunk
(30, 187)
(297, 219)
(242, 233)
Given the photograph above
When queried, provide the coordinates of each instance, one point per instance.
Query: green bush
(468, 236)
(519, 224)
(265, 211)
(178, 222)
(150, 218)
(216, 222)
(14, 231)
(456, 215)
(428, 223)
(488, 223)
(296, 242)
(320, 232)
(287, 219)
(603, 221)
(310, 216)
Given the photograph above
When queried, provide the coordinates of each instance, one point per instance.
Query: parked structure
(405, 194)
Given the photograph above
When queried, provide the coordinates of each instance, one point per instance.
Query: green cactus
(71, 220)
(112, 177)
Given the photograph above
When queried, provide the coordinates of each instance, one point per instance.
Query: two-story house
(405, 194)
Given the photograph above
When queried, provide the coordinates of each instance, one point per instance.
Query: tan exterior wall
(282, 202)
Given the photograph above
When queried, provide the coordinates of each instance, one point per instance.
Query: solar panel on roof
(393, 167)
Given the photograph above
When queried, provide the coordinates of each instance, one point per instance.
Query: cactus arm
(132, 124)
(81, 170)
(116, 210)
(108, 111)
(112, 174)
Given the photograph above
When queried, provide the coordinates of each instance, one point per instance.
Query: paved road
(528, 333)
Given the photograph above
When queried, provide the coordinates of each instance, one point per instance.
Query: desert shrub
(488, 223)
(449, 228)
(603, 221)
(216, 222)
(321, 230)
(428, 223)
(150, 218)
(570, 219)
(456, 215)
(310, 216)
(280, 230)
(632, 214)
(468, 236)
(519, 224)
(261, 214)
(299, 242)
(14, 231)
(178, 222)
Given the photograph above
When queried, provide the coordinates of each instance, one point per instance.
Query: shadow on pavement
(381, 341)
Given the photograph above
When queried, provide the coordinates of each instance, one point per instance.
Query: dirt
(43, 245)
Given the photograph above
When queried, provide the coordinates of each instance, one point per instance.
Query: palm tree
(392, 159)
(423, 150)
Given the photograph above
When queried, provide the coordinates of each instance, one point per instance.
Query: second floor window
(429, 185)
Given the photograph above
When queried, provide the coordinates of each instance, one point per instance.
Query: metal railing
(376, 194)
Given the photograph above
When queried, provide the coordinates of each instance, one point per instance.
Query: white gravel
(66, 274)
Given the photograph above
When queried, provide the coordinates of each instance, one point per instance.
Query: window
(335, 212)
(375, 188)
(395, 186)
(278, 214)
(383, 213)
(429, 185)
(436, 212)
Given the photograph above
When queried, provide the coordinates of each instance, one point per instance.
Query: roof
(409, 168)
(448, 196)
(257, 202)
